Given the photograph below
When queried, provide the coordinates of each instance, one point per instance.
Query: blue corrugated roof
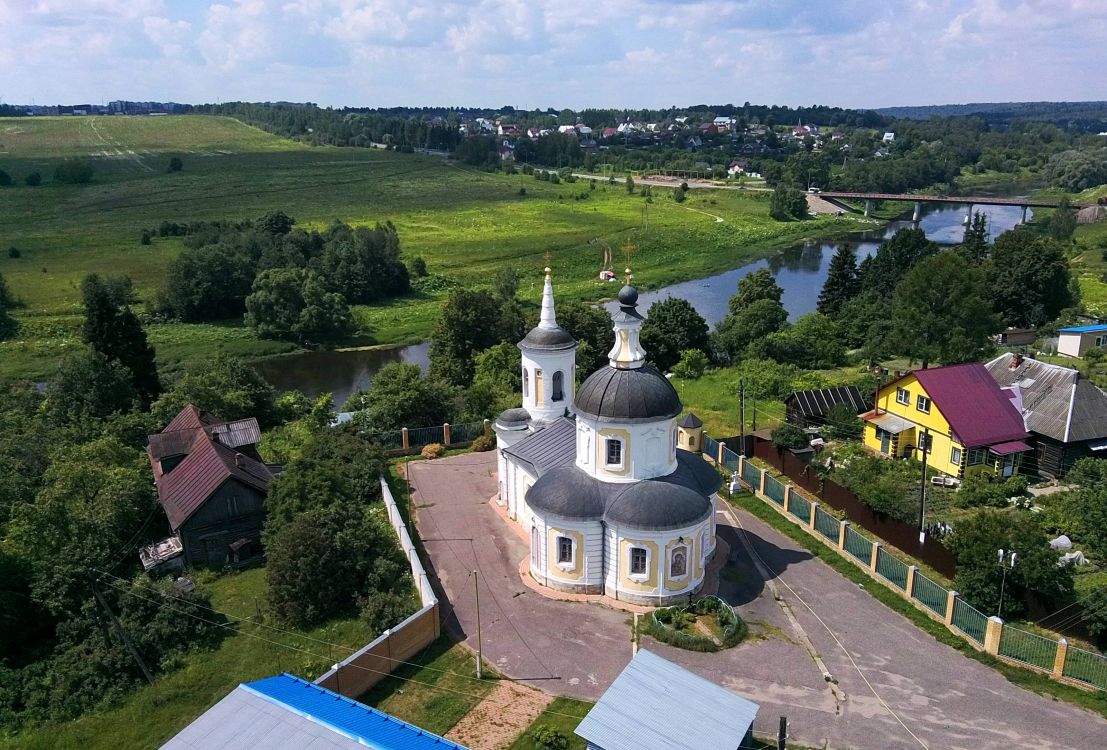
(1085, 329)
(357, 721)
(656, 705)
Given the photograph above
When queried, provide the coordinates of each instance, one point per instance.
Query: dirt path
(503, 715)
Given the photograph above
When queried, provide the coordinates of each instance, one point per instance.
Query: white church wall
(647, 450)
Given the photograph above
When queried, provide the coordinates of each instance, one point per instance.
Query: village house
(1065, 412)
(1077, 340)
(1016, 337)
(212, 484)
(810, 408)
(958, 414)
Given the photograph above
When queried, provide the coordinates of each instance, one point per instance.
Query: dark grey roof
(674, 501)
(554, 445)
(549, 339)
(637, 394)
(1056, 401)
(517, 417)
(817, 403)
(690, 421)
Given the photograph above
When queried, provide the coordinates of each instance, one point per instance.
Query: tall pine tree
(842, 282)
(112, 329)
(976, 238)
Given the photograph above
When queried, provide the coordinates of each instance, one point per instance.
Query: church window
(614, 455)
(526, 383)
(558, 386)
(638, 560)
(678, 567)
(564, 550)
(535, 547)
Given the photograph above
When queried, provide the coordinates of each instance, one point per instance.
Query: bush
(484, 443)
(418, 266)
(842, 422)
(74, 172)
(34, 179)
(382, 610)
(980, 491)
(789, 437)
(13, 252)
(548, 738)
(175, 164)
(667, 625)
(432, 451)
(5, 178)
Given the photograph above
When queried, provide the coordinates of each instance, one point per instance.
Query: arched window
(558, 386)
(535, 547)
(678, 566)
(526, 383)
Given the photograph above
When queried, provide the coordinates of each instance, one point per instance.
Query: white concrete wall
(649, 448)
(548, 363)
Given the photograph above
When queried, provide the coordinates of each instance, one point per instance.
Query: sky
(554, 53)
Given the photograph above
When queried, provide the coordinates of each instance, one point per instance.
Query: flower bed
(676, 625)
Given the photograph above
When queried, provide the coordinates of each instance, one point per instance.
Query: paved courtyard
(896, 686)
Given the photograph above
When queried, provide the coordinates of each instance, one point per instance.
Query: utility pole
(1004, 559)
(924, 444)
(119, 629)
(476, 594)
(742, 412)
(782, 733)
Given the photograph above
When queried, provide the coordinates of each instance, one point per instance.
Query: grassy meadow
(465, 223)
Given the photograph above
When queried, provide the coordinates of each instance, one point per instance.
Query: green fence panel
(930, 594)
(891, 568)
(1087, 667)
(461, 433)
(858, 546)
(1029, 648)
(730, 460)
(391, 440)
(711, 447)
(419, 436)
(751, 475)
(774, 490)
(798, 506)
(969, 620)
(826, 524)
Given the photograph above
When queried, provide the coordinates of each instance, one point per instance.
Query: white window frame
(976, 456)
(572, 561)
(608, 439)
(919, 401)
(955, 455)
(682, 550)
(1101, 341)
(526, 383)
(903, 396)
(925, 442)
(645, 574)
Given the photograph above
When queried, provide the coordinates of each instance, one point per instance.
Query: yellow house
(958, 414)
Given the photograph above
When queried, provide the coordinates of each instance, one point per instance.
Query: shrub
(484, 443)
(432, 450)
(74, 172)
(548, 738)
(175, 164)
(789, 437)
(34, 179)
(13, 252)
(667, 625)
(385, 609)
(418, 266)
(5, 178)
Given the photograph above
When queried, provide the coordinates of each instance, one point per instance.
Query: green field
(465, 223)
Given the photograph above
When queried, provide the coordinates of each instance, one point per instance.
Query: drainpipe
(603, 556)
(617, 556)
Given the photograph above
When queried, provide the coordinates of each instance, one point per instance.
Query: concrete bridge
(969, 200)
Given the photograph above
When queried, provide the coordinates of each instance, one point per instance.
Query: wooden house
(212, 484)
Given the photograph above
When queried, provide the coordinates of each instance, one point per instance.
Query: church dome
(639, 394)
(548, 339)
(514, 419)
(628, 296)
(657, 506)
(567, 492)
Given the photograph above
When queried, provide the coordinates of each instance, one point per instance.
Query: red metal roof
(1005, 449)
(978, 411)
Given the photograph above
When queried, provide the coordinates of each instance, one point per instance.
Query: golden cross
(629, 250)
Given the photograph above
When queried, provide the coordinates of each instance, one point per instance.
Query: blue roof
(656, 705)
(285, 712)
(1085, 329)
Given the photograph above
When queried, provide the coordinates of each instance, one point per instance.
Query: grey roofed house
(1066, 413)
(809, 408)
(656, 705)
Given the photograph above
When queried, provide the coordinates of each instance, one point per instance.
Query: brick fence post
(787, 496)
(761, 485)
(909, 587)
(404, 441)
(992, 634)
(446, 433)
(814, 510)
(874, 556)
(951, 604)
(1059, 659)
(843, 526)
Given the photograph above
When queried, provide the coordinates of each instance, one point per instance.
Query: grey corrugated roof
(1056, 401)
(551, 446)
(816, 403)
(656, 705)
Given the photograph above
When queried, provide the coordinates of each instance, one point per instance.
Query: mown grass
(153, 714)
(561, 714)
(466, 224)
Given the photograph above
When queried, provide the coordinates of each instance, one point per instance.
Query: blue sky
(560, 53)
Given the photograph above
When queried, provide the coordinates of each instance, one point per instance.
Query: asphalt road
(896, 688)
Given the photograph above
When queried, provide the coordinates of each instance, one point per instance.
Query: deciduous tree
(293, 303)
(1029, 278)
(671, 327)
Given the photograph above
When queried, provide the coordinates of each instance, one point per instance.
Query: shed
(809, 408)
(656, 705)
(285, 712)
(1075, 341)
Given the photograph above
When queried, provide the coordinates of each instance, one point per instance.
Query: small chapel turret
(548, 362)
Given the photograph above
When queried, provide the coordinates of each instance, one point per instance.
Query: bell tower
(549, 356)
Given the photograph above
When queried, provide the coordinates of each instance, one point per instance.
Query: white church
(611, 487)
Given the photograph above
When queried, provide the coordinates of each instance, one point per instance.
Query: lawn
(465, 223)
(151, 715)
(562, 714)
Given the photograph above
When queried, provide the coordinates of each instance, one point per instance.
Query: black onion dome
(514, 418)
(548, 339)
(628, 296)
(567, 492)
(638, 394)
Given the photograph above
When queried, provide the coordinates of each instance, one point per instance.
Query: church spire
(548, 320)
(627, 353)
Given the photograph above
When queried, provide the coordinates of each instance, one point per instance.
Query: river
(800, 271)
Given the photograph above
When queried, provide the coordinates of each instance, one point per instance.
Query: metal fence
(798, 506)
(858, 546)
(929, 594)
(774, 489)
(891, 568)
(710, 447)
(417, 436)
(730, 459)
(1029, 648)
(751, 475)
(969, 620)
(826, 524)
(1087, 667)
(466, 432)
